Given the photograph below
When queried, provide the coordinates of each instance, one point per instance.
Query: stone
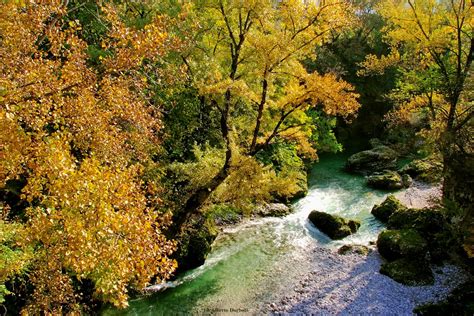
(409, 271)
(375, 159)
(407, 180)
(396, 244)
(354, 249)
(427, 170)
(432, 224)
(334, 226)
(273, 209)
(386, 180)
(383, 211)
(375, 142)
(426, 220)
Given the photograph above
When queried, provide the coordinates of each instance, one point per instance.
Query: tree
(432, 43)
(75, 143)
(246, 64)
(342, 55)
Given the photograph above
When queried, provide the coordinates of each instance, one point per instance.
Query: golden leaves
(81, 139)
(373, 65)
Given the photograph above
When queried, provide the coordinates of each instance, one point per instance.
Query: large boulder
(375, 159)
(425, 220)
(432, 224)
(396, 244)
(427, 170)
(383, 211)
(273, 209)
(334, 226)
(386, 180)
(409, 271)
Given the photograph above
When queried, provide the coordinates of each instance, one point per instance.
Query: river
(260, 260)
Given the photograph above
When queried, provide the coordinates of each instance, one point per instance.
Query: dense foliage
(128, 126)
(75, 142)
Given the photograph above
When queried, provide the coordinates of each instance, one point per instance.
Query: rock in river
(383, 211)
(334, 226)
(273, 209)
(375, 159)
(386, 180)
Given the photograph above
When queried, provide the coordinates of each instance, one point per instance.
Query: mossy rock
(396, 244)
(407, 180)
(375, 142)
(386, 180)
(432, 224)
(222, 214)
(409, 271)
(334, 226)
(273, 209)
(383, 211)
(459, 302)
(354, 249)
(195, 242)
(375, 159)
(427, 170)
(426, 220)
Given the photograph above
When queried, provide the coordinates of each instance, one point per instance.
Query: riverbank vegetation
(130, 129)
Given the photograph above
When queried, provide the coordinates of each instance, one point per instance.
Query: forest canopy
(126, 125)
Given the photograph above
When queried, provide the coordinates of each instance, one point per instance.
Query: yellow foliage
(251, 51)
(81, 140)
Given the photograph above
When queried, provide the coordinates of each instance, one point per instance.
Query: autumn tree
(342, 55)
(432, 47)
(246, 64)
(432, 44)
(75, 143)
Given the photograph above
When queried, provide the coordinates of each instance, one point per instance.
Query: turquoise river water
(256, 261)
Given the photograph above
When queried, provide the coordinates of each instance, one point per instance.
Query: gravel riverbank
(351, 284)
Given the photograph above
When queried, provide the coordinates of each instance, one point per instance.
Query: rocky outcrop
(427, 170)
(383, 211)
(334, 226)
(386, 180)
(273, 209)
(416, 238)
(194, 242)
(426, 220)
(397, 244)
(408, 271)
(376, 159)
(432, 224)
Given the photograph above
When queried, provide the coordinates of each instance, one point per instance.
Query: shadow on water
(174, 301)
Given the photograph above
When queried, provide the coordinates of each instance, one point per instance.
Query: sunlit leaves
(432, 44)
(81, 137)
